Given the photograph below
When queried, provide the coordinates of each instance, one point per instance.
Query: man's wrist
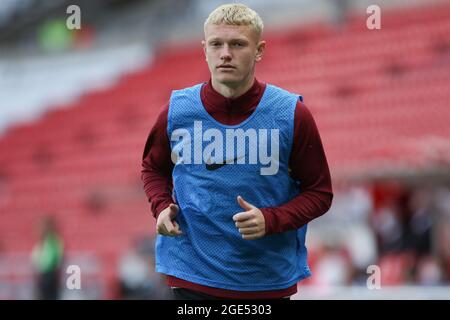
(162, 206)
(268, 217)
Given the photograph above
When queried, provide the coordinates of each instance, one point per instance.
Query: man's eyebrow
(240, 40)
(231, 40)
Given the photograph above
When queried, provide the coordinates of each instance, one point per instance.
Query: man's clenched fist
(166, 224)
(251, 222)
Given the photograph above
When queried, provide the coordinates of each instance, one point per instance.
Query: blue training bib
(214, 163)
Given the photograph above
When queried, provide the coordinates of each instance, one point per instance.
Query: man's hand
(165, 224)
(251, 222)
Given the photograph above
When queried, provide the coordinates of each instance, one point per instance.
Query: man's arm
(157, 165)
(308, 165)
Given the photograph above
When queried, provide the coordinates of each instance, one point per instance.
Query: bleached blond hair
(236, 14)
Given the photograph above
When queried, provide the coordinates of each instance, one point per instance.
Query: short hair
(236, 14)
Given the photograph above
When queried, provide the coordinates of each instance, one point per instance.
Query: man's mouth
(226, 66)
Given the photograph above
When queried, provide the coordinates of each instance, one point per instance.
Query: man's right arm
(157, 165)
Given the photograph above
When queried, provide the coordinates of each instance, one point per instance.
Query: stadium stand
(380, 100)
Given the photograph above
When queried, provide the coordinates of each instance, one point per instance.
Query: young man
(234, 170)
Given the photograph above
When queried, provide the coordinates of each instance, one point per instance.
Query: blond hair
(236, 14)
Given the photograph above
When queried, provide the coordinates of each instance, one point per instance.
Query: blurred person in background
(137, 279)
(133, 276)
(47, 258)
(225, 230)
(429, 271)
(333, 267)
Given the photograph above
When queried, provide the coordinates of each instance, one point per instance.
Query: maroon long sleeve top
(307, 164)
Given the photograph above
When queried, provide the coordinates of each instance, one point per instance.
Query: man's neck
(231, 91)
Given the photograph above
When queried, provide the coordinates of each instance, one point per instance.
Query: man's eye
(215, 44)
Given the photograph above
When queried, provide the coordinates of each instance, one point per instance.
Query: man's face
(231, 52)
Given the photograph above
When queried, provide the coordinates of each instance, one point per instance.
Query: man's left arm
(308, 165)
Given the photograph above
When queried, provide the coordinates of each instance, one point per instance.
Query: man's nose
(225, 53)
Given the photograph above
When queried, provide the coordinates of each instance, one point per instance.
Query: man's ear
(260, 50)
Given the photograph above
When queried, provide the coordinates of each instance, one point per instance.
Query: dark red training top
(307, 163)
